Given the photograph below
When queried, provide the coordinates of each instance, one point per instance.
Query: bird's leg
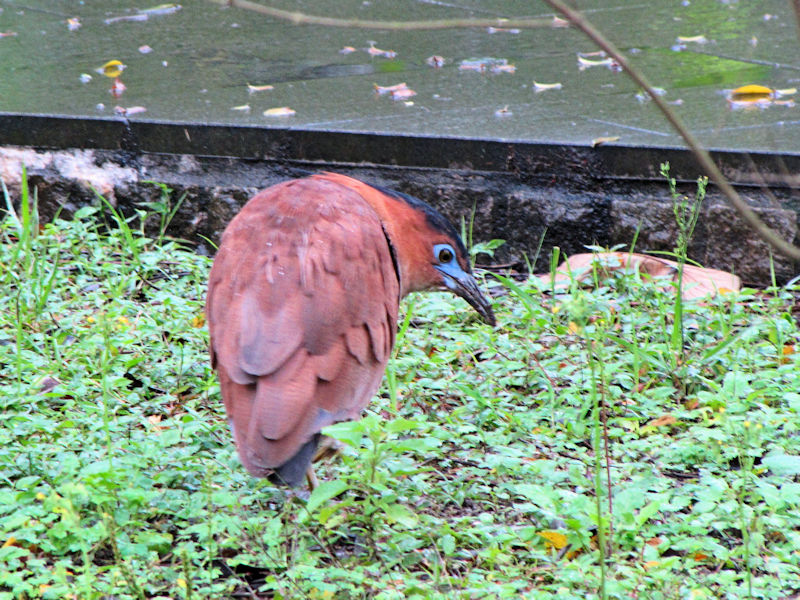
(311, 477)
(327, 448)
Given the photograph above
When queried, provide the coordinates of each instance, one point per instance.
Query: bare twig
(298, 18)
(703, 157)
(796, 6)
(576, 19)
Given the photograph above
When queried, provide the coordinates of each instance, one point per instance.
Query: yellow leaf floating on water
(554, 539)
(693, 39)
(543, 87)
(759, 96)
(112, 69)
(587, 63)
(280, 111)
(754, 91)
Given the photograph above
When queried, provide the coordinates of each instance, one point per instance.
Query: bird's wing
(302, 307)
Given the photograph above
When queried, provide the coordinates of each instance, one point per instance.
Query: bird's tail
(293, 471)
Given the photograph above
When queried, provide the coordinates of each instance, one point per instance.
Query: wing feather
(302, 310)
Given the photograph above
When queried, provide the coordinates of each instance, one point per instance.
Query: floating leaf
(347, 50)
(112, 69)
(512, 30)
(495, 65)
(604, 140)
(586, 63)
(373, 51)
(543, 87)
(435, 61)
(503, 68)
(389, 89)
(126, 18)
(252, 89)
(241, 108)
(161, 9)
(128, 112)
(403, 94)
(144, 14)
(280, 111)
(693, 39)
(399, 91)
(117, 88)
(747, 92)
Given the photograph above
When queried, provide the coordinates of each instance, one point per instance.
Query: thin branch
(298, 18)
(703, 157)
(796, 6)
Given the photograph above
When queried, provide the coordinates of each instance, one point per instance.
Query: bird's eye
(444, 254)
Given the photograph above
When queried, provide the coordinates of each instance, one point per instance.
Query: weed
(483, 469)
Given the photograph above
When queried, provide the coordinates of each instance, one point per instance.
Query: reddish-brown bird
(302, 307)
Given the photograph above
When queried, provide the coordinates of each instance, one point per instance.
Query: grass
(560, 455)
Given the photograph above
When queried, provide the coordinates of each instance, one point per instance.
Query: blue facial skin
(459, 281)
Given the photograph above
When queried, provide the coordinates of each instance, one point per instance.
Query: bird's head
(427, 249)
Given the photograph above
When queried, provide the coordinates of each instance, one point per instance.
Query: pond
(199, 61)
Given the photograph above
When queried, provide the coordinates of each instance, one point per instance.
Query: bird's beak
(463, 284)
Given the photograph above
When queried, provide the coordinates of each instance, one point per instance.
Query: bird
(302, 306)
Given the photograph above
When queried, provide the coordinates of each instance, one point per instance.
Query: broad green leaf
(782, 464)
(324, 492)
(448, 544)
(402, 425)
(349, 432)
(397, 513)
